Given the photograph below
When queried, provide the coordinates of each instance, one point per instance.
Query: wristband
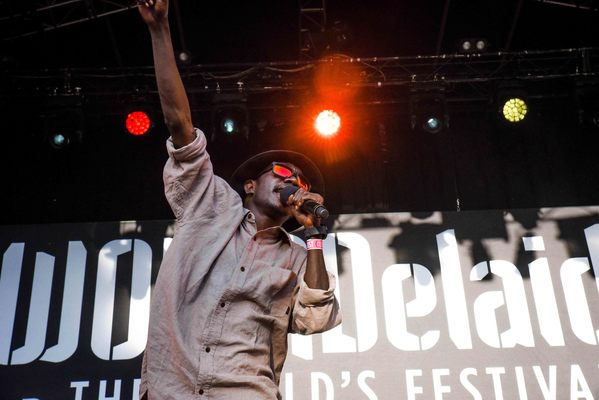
(314, 244)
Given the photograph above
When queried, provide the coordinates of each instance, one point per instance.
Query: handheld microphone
(309, 206)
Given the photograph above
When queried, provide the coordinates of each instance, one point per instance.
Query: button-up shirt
(226, 294)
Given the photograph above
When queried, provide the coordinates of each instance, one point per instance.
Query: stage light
(481, 45)
(139, 111)
(229, 125)
(514, 109)
(428, 110)
(58, 141)
(230, 121)
(138, 123)
(473, 45)
(63, 120)
(230, 117)
(184, 57)
(432, 124)
(466, 46)
(327, 123)
(511, 101)
(63, 137)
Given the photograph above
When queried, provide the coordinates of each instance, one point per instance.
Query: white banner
(454, 306)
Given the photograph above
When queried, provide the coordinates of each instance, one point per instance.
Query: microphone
(309, 206)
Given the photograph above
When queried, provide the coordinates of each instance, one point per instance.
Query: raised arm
(173, 99)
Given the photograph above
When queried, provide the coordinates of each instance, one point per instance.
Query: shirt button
(207, 349)
(201, 391)
(242, 269)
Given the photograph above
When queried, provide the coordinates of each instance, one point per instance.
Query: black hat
(251, 167)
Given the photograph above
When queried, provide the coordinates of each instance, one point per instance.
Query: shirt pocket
(266, 285)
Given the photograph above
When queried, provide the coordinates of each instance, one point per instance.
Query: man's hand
(153, 12)
(295, 202)
(316, 276)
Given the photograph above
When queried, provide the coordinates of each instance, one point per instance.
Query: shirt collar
(275, 232)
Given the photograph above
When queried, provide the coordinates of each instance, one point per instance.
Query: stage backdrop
(454, 306)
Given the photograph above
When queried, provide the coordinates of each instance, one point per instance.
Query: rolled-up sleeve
(315, 310)
(191, 188)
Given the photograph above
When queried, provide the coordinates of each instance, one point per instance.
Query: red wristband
(314, 244)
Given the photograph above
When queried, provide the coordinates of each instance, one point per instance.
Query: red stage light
(327, 123)
(138, 123)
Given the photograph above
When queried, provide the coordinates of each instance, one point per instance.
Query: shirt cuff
(189, 150)
(309, 297)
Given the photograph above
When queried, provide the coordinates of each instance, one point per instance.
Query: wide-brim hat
(251, 167)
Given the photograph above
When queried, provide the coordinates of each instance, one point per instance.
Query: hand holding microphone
(309, 206)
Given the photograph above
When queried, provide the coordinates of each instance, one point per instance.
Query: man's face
(267, 188)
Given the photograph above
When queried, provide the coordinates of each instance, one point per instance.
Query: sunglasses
(286, 171)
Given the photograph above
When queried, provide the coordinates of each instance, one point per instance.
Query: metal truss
(312, 27)
(21, 18)
(463, 78)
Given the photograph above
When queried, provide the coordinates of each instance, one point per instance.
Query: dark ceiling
(230, 31)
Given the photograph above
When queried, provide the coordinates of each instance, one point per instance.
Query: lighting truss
(469, 77)
(312, 25)
(21, 18)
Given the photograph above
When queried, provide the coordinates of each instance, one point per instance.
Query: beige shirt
(226, 295)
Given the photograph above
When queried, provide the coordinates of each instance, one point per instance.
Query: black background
(378, 164)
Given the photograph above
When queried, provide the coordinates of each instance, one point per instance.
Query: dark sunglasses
(286, 171)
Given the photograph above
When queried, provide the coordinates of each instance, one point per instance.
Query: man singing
(232, 284)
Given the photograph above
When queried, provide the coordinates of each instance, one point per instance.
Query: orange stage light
(327, 123)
